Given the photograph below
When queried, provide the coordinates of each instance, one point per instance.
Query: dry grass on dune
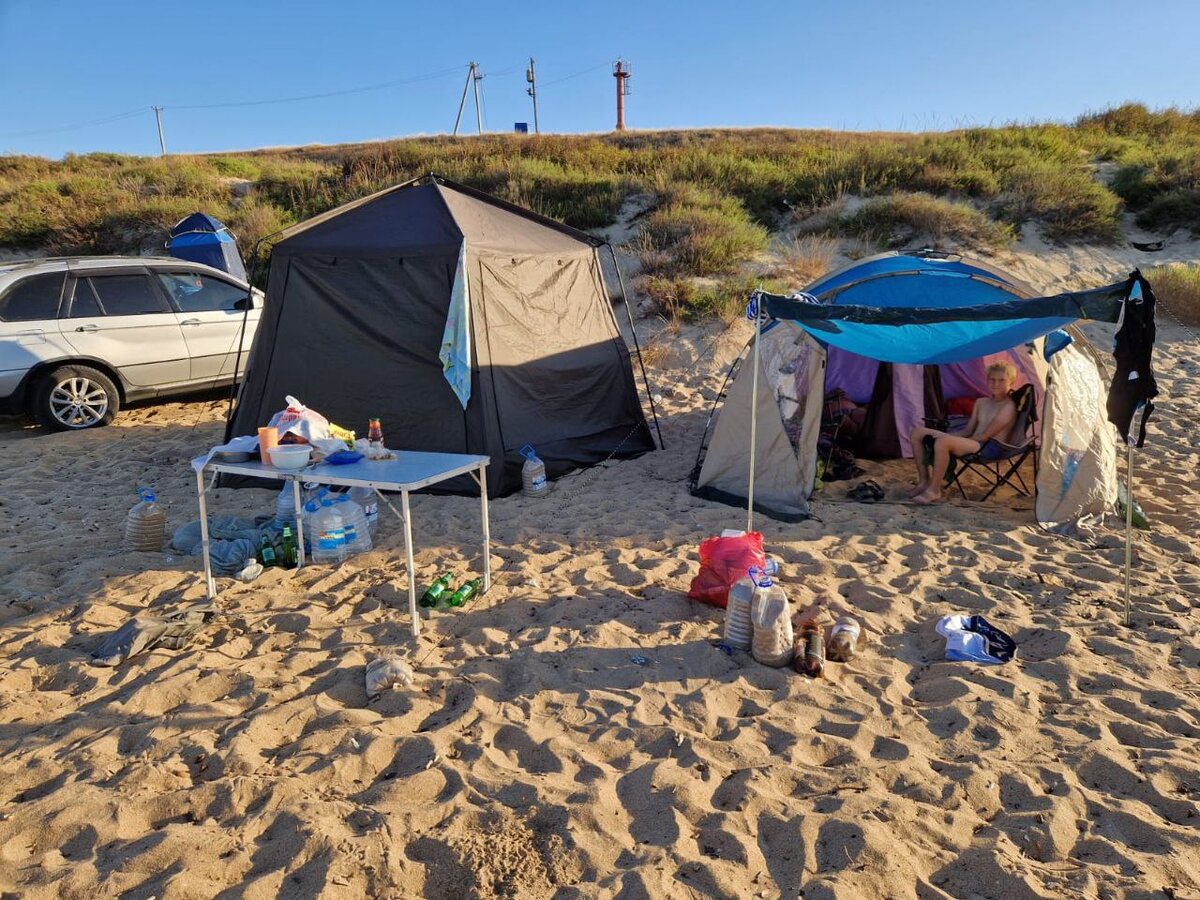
(1178, 290)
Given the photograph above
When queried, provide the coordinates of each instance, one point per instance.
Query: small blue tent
(899, 337)
(203, 239)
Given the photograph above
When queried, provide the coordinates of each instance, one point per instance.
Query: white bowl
(290, 456)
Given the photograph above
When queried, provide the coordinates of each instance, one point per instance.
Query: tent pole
(637, 346)
(754, 409)
(1128, 523)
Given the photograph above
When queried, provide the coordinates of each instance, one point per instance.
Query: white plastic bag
(301, 421)
(387, 672)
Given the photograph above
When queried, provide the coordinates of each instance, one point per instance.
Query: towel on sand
(231, 541)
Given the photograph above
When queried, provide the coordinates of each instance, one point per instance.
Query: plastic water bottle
(365, 497)
(328, 536)
(533, 474)
(772, 620)
(738, 629)
(354, 521)
(285, 507)
(843, 640)
(146, 524)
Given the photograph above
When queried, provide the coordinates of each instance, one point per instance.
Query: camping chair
(1020, 444)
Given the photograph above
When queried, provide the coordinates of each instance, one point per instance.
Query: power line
(141, 110)
(342, 93)
(543, 84)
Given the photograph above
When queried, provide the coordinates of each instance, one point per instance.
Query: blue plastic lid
(528, 452)
(310, 506)
(146, 494)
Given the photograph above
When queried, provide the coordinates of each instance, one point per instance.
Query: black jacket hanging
(1133, 385)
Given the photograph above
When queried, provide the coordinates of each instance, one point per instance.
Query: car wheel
(75, 397)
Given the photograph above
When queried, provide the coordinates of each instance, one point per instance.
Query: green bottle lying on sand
(465, 593)
(435, 591)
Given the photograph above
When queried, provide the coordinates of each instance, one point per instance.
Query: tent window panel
(787, 360)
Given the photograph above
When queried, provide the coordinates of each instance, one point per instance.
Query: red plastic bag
(723, 561)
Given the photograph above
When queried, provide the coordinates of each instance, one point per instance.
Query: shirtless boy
(992, 418)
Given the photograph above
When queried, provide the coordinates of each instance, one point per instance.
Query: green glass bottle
(437, 591)
(290, 555)
(465, 593)
(266, 553)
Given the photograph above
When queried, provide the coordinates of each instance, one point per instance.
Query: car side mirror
(242, 303)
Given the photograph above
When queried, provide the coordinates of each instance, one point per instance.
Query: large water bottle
(533, 474)
(738, 629)
(285, 507)
(354, 522)
(772, 620)
(366, 498)
(146, 524)
(328, 534)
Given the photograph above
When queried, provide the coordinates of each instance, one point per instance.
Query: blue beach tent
(899, 338)
(203, 239)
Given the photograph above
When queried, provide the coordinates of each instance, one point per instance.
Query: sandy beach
(534, 757)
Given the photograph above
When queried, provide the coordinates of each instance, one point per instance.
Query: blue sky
(845, 65)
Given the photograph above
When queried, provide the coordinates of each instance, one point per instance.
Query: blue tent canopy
(930, 310)
(203, 239)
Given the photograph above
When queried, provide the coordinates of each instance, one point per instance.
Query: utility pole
(529, 76)
(162, 142)
(478, 115)
(463, 102)
(621, 71)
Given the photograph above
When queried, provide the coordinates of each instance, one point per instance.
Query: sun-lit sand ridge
(533, 758)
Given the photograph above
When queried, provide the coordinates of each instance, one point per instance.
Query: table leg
(487, 536)
(299, 523)
(210, 583)
(408, 555)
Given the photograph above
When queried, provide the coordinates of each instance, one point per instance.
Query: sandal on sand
(867, 492)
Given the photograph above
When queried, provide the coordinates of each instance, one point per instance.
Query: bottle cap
(528, 452)
(310, 506)
(146, 494)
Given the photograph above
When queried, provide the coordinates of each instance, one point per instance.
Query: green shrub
(1171, 210)
(1068, 204)
(1177, 288)
(683, 299)
(696, 231)
(896, 220)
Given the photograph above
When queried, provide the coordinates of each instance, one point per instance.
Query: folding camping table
(410, 471)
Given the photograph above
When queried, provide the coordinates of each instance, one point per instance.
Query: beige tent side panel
(790, 386)
(1078, 473)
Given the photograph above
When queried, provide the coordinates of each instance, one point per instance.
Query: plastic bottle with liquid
(354, 522)
(146, 523)
(843, 639)
(285, 506)
(533, 474)
(771, 617)
(739, 630)
(365, 497)
(328, 535)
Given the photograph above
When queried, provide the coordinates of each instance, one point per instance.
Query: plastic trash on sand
(387, 672)
(975, 639)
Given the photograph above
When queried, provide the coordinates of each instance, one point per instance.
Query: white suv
(79, 336)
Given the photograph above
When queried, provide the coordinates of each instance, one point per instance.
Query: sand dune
(534, 757)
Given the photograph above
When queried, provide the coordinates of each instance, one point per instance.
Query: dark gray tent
(356, 311)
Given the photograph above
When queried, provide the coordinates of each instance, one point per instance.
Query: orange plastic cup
(267, 438)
